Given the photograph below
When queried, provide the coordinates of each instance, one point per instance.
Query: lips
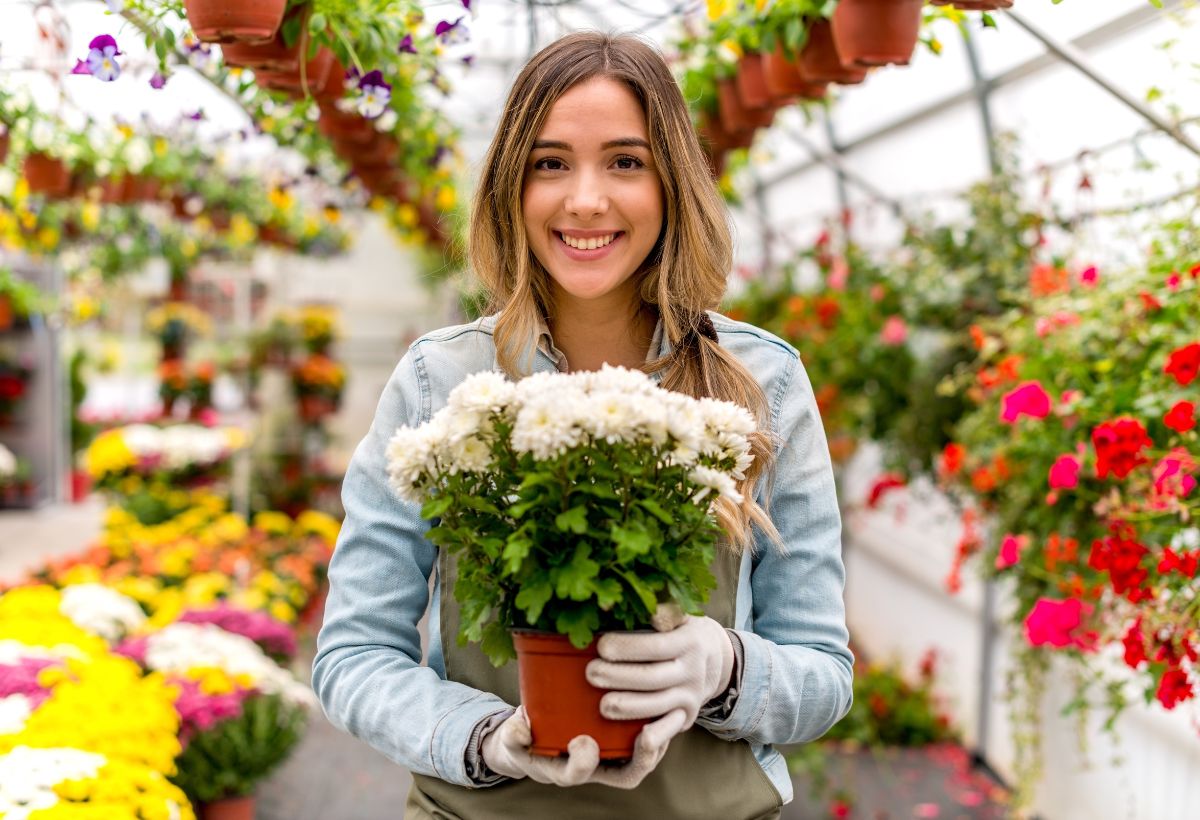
(581, 255)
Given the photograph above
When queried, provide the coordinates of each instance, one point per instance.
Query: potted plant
(571, 504)
(231, 21)
(820, 60)
(317, 383)
(281, 52)
(876, 32)
(14, 384)
(19, 301)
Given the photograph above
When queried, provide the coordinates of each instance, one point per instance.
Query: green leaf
(630, 542)
(654, 508)
(436, 506)
(608, 593)
(316, 23)
(574, 519)
(576, 579)
(532, 599)
(497, 644)
(515, 551)
(645, 593)
(579, 625)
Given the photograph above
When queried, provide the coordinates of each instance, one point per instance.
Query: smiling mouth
(590, 244)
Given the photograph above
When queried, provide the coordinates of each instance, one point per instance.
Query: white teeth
(588, 244)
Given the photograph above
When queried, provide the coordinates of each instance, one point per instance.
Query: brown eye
(543, 164)
(633, 163)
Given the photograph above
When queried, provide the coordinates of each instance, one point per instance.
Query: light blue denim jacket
(797, 667)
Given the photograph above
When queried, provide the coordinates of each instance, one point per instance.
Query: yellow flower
(242, 230)
(251, 599)
(108, 453)
(282, 611)
(312, 522)
(273, 523)
(719, 8)
(89, 215)
(406, 215)
(445, 199)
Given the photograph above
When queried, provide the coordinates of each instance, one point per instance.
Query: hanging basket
(876, 32)
(735, 116)
(820, 61)
(752, 83)
(560, 702)
(784, 79)
(274, 54)
(318, 75)
(380, 152)
(235, 21)
(229, 808)
(119, 190)
(5, 139)
(46, 175)
(345, 126)
(974, 5)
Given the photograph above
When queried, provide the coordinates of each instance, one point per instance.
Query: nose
(587, 197)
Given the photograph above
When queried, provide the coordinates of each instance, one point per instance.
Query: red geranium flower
(1118, 446)
(1181, 417)
(1064, 472)
(1027, 399)
(1184, 363)
(1120, 555)
(952, 459)
(1174, 688)
(883, 484)
(1135, 645)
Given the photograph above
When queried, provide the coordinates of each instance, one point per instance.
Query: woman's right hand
(506, 751)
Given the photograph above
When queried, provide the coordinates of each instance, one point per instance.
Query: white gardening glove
(506, 751)
(682, 666)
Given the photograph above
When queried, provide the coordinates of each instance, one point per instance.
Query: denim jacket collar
(660, 345)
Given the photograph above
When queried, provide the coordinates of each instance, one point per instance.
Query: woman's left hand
(684, 665)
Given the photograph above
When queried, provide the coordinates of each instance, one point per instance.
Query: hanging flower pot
(7, 314)
(318, 77)
(314, 408)
(274, 54)
(148, 189)
(118, 190)
(820, 61)
(345, 126)
(974, 5)
(735, 117)
(46, 175)
(751, 82)
(560, 702)
(233, 21)
(784, 79)
(379, 152)
(876, 32)
(5, 139)
(229, 808)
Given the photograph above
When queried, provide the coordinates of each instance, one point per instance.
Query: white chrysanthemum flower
(470, 455)
(711, 479)
(183, 646)
(485, 392)
(459, 422)
(188, 445)
(610, 416)
(28, 777)
(101, 611)
(619, 380)
(652, 416)
(545, 426)
(726, 417)
(681, 456)
(684, 421)
(410, 456)
(537, 385)
(14, 711)
(11, 652)
(143, 440)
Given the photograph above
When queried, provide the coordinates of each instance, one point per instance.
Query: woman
(601, 237)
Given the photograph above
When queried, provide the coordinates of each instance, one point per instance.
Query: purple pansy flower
(199, 54)
(101, 60)
(374, 95)
(157, 81)
(196, 115)
(469, 60)
(452, 33)
(406, 45)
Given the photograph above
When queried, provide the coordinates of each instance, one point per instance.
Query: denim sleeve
(797, 667)
(367, 672)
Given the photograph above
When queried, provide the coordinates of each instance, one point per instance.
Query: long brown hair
(683, 276)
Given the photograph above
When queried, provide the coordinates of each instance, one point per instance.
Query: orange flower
(952, 459)
(1009, 368)
(1046, 280)
(977, 336)
(1060, 550)
(796, 305)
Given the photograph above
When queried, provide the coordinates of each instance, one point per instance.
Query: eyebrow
(623, 142)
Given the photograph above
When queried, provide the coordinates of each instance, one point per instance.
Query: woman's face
(592, 198)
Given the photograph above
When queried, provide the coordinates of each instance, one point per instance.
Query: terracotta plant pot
(820, 61)
(751, 82)
(318, 74)
(381, 151)
(119, 190)
(345, 126)
(5, 139)
(7, 315)
(235, 21)
(735, 117)
(785, 80)
(561, 703)
(46, 175)
(274, 54)
(229, 808)
(876, 32)
(974, 5)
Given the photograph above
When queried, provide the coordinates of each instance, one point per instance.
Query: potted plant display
(572, 504)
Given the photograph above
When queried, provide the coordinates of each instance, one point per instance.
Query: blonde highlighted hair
(683, 276)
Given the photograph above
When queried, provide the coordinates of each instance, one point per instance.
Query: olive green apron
(701, 776)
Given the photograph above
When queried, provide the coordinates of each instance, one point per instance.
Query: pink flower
(894, 331)
(1172, 475)
(1174, 280)
(1088, 276)
(1010, 550)
(1057, 623)
(1027, 399)
(839, 273)
(1064, 472)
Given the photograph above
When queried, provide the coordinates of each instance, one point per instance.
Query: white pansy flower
(101, 611)
(28, 777)
(8, 462)
(41, 135)
(137, 155)
(14, 711)
(183, 646)
(710, 479)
